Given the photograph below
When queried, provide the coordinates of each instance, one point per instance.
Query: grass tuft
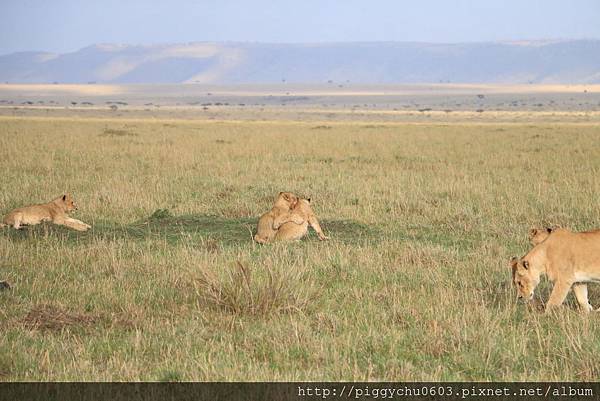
(170, 376)
(5, 366)
(242, 292)
(161, 214)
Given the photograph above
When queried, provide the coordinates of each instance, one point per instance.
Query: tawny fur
(54, 211)
(539, 235)
(283, 204)
(296, 227)
(568, 259)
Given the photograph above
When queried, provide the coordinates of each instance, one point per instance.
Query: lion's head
(539, 235)
(286, 200)
(303, 203)
(66, 202)
(524, 278)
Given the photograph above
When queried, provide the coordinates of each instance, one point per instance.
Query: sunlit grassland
(413, 285)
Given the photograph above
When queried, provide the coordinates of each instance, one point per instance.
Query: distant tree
(114, 107)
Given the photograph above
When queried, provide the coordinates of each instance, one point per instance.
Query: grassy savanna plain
(413, 285)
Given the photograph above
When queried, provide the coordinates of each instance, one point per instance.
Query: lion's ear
(64, 198)
(525, 265)
(533, 232)
(549, 230)
(308, 199)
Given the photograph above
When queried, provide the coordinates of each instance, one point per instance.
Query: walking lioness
(54, 211)
(283, 204)
(570, 260)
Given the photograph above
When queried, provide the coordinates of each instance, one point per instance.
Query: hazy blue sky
(67, 25)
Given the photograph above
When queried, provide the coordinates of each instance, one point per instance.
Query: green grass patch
(163, 225)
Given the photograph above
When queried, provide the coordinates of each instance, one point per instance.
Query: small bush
(242, 292)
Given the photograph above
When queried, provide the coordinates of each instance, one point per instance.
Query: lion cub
(296, 225)
(539, 235)
(283, 204)
(54, 211)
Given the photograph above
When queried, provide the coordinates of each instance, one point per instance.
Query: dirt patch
(53, 318)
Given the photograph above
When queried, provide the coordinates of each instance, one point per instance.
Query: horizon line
(543, 41)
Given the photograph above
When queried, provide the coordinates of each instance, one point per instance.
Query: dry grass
(413, 285)
(52, 317)
(241, 292)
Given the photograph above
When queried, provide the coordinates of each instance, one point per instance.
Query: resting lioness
(568, 259)
(54, 211)
(283, 204)
(295, 230)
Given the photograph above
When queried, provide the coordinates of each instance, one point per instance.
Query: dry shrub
(53, 318)
(242, 292)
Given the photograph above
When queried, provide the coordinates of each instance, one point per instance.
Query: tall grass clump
(242, 291)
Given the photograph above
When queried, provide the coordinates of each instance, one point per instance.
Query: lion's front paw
(81, 227)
